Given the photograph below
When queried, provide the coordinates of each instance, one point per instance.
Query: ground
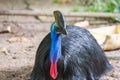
(17, 58)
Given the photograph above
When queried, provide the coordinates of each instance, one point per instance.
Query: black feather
(81, 59)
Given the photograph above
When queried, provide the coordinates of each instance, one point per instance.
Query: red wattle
(53, 70)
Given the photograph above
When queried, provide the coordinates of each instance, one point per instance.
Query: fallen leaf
(112, 42)
(99, 37)
(117, 29)
(107, 37)
(114, 75)
(17, 39)
(84, 24)
(104, 30)
(6, 30)
(4, 50)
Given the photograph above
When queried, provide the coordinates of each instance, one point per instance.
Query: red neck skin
(53, 70)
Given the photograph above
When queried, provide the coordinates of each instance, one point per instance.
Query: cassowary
(69, 53)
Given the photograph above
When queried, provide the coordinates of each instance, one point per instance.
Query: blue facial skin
(55, 51)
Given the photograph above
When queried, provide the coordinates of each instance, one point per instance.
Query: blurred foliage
(62, 1)
(80, 2)
(56, 1)
(101, 6)
(78, 9)
(94, 6)
(106, 6)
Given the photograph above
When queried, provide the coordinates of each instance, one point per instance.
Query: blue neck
(55, 51)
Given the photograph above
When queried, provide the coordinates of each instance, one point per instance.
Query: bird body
(77, 56)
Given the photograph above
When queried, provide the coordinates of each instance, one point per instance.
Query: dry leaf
(104, 30)
(112, 42)
(6, 30)
(17, 39)
(114, 75)
(117, 29)
(84, 24)
(99, 37)
(4, 50)
(107, 37)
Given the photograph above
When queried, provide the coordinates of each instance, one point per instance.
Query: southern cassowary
(69, 53)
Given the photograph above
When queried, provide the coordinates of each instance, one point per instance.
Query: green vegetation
(56, 1)
(102, 6)
(78, 9)
(106, 6)
(94, 6)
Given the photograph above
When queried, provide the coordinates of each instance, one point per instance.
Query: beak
(59, 19)
(63, 31)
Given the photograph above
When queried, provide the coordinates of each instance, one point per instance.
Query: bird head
(60, 22)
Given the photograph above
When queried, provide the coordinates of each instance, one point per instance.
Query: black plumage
(81, 58)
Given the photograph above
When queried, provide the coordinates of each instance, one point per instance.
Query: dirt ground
(17, 58)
